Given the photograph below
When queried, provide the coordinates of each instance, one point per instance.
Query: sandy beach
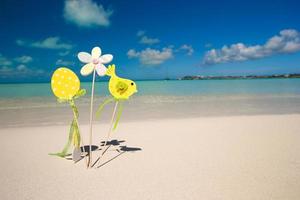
(201, 100)
(234, 157)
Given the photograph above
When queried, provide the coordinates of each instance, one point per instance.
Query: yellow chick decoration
(120, 88)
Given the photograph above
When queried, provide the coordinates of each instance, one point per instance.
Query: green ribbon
(119, 111)
(64, 152)
(74, 134)
(100, 108)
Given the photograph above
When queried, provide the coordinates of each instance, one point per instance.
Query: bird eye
(132, 83)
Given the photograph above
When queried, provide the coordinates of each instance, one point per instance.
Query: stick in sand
(91, 119)
(121, 89)
(108, 133)
(95, 63)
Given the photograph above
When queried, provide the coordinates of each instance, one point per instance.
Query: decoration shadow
(83, 149)
(121, 149)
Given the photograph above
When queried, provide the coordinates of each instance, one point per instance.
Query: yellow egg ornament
(65, 86)
(64, 83)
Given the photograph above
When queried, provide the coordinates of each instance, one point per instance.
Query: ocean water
(34, 104)
(170, 88)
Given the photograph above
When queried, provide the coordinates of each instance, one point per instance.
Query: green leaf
(80, 93)
(64, 152)
(76, 137)
(100, 108)
(74, 108)
(76, 133)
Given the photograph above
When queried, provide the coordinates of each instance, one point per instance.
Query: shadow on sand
(86, 148)
(120, 149)
(83, 149)
(117, 144)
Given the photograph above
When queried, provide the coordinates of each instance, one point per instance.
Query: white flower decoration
(94, 61)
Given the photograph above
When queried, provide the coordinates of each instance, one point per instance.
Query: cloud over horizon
(86, 13)
(24, 59)
(151, 56)
(188, 48)
(4, 61)
(17, 68)
(21, 71)
(288, 41)
(48, 43)
(64, 62)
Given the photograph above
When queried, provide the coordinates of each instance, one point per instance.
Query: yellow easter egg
(64, 83)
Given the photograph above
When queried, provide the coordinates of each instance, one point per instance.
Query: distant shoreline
(239, 77)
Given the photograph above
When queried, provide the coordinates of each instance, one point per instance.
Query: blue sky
(150, 39)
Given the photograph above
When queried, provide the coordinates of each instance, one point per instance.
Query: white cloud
(86, 13)
(144, 39)
(150, 56)
(48, 43)
(132, 53)
(288, 41)
(21, 67)
(8, 69)
(20, 42)
(140, 33)
(23, 59)
(4, 61)
(52, 43)
(149, 41)
(208, 45)
(64, 53)
(4, 71)
(21, 71)
(9, 62)
(188, 48)
(63, 62)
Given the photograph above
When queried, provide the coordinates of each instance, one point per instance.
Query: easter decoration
(94, 63)
(120, 89)
(66, 87)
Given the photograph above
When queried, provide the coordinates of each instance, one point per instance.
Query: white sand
(228, 158)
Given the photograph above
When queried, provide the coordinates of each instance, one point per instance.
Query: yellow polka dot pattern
(64, 83)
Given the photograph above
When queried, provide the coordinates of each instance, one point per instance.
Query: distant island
(240, 77)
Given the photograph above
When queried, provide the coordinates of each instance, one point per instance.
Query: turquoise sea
(34, 104)
(170, 87)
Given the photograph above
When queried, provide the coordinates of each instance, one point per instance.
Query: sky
(149, 39)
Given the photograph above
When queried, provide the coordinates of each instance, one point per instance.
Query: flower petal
(84, 57)
(96, 52)
(106, 58)
(87, 69)
(101, 69)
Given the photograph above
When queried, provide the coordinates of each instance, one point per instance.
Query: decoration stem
(75, 114)
(110, 129)
(111, 123)
(91, 119)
